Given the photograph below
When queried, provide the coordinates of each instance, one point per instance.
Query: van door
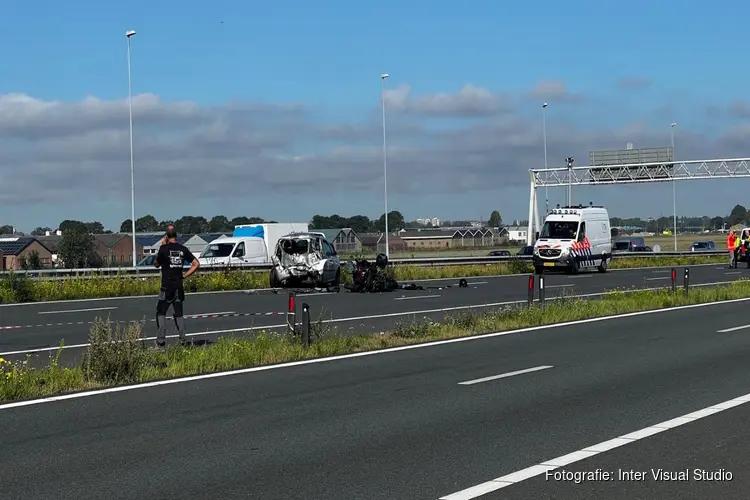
(584, 253)
(238, 254)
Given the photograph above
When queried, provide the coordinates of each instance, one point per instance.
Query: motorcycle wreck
(371, 277)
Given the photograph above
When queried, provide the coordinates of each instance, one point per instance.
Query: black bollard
(674, 280)
(687, 280)
(541, 291)
(305, 326)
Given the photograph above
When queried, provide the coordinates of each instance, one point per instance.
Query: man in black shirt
(171, 258)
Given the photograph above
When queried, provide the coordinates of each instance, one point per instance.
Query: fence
(423, 262)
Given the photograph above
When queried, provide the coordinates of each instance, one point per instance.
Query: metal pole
(544, 133)
(385, 163)
(132, 170)
(674, 189)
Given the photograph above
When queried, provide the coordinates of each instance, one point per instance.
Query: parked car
(499, 253)
(703, 246)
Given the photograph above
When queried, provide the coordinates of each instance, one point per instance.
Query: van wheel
(603, 266)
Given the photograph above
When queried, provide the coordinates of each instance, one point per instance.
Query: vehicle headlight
(565, 251)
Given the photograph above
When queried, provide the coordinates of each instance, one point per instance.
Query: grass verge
(15, 288)
(117, 356)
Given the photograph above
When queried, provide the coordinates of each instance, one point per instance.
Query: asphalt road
(402, 425)
(39, 326)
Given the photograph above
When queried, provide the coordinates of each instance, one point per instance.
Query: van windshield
(218, 250)
(559, 230)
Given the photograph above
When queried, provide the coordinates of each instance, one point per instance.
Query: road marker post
(674, 280)
(687, 280)
(541, 291)
(291, 314)
(530, 298)
(305, 326)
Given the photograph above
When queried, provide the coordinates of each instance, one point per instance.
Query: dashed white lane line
(733, 329)
(734, 272)
(548, 466)
(63, 311)
(505, 375)
(415, 297)
(659, 278)
(560, 286)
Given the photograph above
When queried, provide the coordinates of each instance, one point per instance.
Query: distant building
(15, 250)
(116, 249)
(517, 233)
(344, 240)
(198, 242)
(456, 238)
(375, 242)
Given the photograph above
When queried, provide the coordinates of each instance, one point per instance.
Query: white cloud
(55, 153)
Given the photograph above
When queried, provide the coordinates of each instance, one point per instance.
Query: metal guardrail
(424, 262)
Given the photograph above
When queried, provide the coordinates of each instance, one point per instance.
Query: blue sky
(326, 56)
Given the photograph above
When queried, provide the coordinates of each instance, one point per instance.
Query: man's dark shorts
(170, 296)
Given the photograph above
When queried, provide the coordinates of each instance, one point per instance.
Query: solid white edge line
(590, 451)
(415, 297)
(329, 359)
(362, 318)
(136, 297)
(505, 375)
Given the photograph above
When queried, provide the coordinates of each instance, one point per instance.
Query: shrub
(115, 355)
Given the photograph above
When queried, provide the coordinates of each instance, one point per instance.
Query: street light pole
(385, 163)
(544, 133)
(129, 34)
(674, 188)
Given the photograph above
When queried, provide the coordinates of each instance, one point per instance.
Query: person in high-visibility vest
(732, 247)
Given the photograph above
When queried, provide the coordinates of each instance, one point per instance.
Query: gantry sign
(601, 173)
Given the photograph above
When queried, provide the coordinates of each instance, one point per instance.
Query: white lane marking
(62, 311)
(576, 456)
(662, 271)
(505, 375)
(217, 292)
(415, 297)
(733, 329)
(580, 276)
(734, 272)
(364, 318)
(313, 361)
(559, 286)
(478, 283)
(660, 278)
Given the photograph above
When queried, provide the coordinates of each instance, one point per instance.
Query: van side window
(240, 250)
(582, 231)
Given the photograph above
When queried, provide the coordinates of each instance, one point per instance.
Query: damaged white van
(305, 258)
(574, 238)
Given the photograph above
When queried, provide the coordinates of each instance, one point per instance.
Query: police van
(574, 238)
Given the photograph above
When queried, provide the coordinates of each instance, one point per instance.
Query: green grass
(117, 356)
(17, 289)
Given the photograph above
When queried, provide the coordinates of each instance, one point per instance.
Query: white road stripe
(660, 278)
(62, 311)
(733, 329)
(734, 272)
(378, 352)
(559, 286)
(414, 297)
(576, 456)
(505, 375)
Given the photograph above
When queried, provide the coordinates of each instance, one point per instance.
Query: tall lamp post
(570, 161)
(544, 134)
(385, 163)
(129, 34)
(674, 188)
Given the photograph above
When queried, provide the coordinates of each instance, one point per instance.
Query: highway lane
(717, 444)
(35, 326)
(389, 425)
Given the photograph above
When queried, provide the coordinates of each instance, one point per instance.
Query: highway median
(17, 288)
(117, 353)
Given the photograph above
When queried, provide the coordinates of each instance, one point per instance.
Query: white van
(574, 238)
